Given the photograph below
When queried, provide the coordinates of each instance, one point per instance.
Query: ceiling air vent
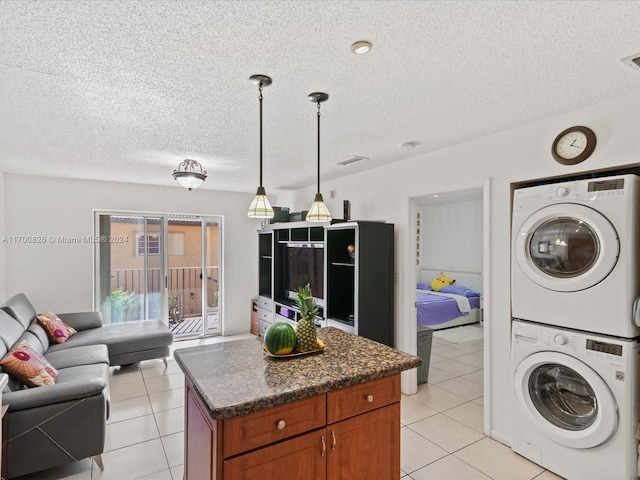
(351, 160)
(633, 61)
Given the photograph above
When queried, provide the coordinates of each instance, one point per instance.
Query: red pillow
(28, 366)
(57, 330)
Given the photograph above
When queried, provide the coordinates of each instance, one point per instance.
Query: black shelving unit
(265, 266)
(360, 290)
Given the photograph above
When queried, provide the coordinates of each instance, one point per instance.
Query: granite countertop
(235, 377)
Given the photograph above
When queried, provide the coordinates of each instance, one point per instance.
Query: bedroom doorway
(450, 235)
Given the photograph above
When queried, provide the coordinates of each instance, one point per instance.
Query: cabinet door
(302, 457)
(366, 446)
(200, 445)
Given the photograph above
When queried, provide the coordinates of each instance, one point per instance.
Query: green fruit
(280, 338)
(306, 302)
(306, 332)
(306, 335)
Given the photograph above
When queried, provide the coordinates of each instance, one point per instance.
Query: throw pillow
(28, 366)
(57, 330)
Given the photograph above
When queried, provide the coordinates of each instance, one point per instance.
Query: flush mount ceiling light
(633, 61)
(260, 206)
(190, 174)
(361, 47)
(318, 211)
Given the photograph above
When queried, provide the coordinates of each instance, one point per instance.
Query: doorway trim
(408, 328)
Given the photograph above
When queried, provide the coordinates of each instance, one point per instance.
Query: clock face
(571, 145)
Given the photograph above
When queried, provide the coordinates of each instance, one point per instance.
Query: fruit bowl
(293, 354)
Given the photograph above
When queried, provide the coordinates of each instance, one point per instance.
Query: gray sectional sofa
(66, 421)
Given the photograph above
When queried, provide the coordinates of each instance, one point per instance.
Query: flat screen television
(304, 264)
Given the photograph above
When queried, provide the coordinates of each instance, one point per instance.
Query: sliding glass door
(165, 266)
(194, 274)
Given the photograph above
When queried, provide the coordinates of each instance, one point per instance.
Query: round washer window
(564, 247)
(563, 397)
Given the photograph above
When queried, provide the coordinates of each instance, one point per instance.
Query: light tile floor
(441, 426)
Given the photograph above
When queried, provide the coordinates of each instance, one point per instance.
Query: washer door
(567, 247)
(566, 400)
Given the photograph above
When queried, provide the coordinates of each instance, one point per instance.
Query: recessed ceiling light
(408, 146)
(361, 47)
(351, 160)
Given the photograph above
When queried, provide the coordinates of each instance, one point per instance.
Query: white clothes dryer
(576, 255)
(575, 401)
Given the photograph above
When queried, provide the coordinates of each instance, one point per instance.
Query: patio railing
(185, 286)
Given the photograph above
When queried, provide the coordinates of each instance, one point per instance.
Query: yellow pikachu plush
(440, 282)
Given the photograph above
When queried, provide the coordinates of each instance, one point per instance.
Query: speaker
(346, 210)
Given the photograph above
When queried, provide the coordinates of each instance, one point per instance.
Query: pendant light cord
(318, 191)
(260, 99)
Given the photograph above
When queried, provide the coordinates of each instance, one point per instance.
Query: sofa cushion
(73, 357)
(11, 330)
(57, 330)
(122, 338)
(20, 308)
(72, 383)
(28, 366)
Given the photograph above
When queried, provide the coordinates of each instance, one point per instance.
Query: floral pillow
(28, 366)
(57, 330)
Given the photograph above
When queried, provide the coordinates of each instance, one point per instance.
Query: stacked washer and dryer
(575, 351)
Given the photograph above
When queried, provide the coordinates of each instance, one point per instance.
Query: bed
(455, 305)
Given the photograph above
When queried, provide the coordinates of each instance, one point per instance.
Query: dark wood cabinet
(300, 457)
(351, 433)
(366, 446)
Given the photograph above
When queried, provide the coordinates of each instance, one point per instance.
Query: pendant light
(260, 206)
(318, 211)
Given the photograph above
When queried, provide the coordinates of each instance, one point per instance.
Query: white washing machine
(575, 255)
(575, 401)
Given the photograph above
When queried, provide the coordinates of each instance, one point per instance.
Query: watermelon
(280, 338)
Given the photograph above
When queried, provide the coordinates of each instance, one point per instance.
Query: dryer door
(567, 247)
(566, 400)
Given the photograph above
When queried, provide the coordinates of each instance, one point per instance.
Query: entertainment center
(349, 265)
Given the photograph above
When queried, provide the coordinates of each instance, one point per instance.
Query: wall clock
(573, 145)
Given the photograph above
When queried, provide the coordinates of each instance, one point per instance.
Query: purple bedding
(435, 309)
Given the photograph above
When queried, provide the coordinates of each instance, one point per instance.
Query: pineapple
(306, 332)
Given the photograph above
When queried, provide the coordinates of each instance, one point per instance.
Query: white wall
(2, 239)
(59, 277)
(515, 155)
(451, 237)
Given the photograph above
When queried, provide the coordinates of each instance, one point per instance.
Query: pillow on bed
(460, 290)
(423, 286)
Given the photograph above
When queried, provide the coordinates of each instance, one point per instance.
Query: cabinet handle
(369, 398)
(281, 425)
(324, 445)
(333, 440)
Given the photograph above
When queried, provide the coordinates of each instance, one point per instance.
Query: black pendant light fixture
(318, 211)
(260, 206)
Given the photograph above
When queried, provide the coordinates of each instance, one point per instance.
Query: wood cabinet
(351, 433)
(254, 317)
(366, 446)
(299, 457)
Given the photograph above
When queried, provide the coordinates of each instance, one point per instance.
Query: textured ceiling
(124, 90)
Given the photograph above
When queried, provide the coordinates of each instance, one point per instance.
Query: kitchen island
(328, 415)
